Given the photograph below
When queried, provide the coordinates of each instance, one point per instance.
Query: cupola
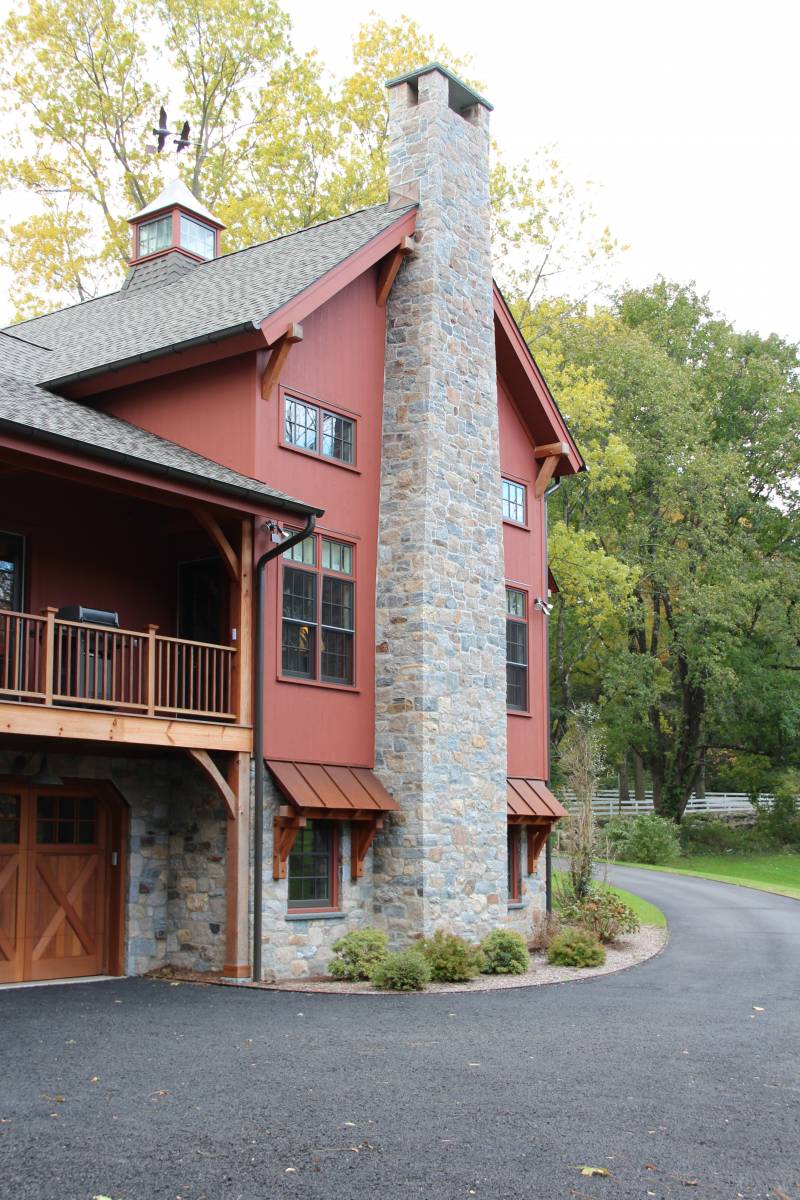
(170, 236)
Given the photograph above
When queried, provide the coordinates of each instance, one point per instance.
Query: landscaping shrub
(505, 953)
(646, 838)
(451, 959)
(358, 954)
(576, 948)
(782, 821)
(545, 927)
(602, 914)
(406, 971)
(702, 834)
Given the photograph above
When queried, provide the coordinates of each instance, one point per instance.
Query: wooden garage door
(54, 910)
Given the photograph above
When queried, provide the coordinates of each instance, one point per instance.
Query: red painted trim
(302, 305)
(515, 894)
(510, 329)
(527, 589)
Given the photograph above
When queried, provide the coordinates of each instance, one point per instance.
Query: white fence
(608, 804)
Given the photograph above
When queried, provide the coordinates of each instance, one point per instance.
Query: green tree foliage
(698, 653)
(276, 143)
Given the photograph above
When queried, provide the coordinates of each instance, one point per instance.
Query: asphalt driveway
(681, 1077)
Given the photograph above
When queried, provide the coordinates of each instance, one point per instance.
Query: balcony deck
(69, 679)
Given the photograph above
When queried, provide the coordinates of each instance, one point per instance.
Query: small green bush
(702, 834)
(646, 838)
(358, 954)
(602, 914)
(451, 959)
(505, 953)
(576, 948)
(407, 971)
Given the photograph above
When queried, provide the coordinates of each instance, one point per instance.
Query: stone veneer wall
(440, 670)
(175, 888)
(294, 946)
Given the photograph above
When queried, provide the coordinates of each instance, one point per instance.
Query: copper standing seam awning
(531, 803)
(332, 793)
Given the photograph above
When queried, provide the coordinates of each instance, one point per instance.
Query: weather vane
(163, 132)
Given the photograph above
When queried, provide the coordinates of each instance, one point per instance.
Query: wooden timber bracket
(537, 838)
(285, 827)
(204, 760)
(391, 265)
(552, 454)
(277, 359)
(362, 834)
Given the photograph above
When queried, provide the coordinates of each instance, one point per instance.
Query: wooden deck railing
(49, 661)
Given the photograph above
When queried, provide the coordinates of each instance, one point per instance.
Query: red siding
(209, 409)
(338, 363)
(526, 567)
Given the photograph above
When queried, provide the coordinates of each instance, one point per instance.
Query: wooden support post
(237, 871)
(277, 359)
(242, 610)
(48, 658)
(152, 630)
(388, 272)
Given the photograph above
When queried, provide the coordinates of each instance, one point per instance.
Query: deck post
(237, 882)
(48, 658)
(152, 630)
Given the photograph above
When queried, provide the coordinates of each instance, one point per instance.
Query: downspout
(258, 738)
(548, 849)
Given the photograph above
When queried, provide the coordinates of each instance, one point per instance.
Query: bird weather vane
(163, 133)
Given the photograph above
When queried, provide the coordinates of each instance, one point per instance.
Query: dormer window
(155, 236)
(197, 238)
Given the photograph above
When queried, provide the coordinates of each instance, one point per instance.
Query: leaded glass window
(318, 597)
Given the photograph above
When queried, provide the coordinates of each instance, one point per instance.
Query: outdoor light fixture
(542, 606)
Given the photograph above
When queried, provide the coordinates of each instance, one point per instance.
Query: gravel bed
(628, 952)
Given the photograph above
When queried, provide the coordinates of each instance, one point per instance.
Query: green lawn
(647, 913)
(768, 872)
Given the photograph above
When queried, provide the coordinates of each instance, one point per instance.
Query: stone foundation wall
(296, 946)
(175, 886)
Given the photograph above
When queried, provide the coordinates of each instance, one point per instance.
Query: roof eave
(252, 497)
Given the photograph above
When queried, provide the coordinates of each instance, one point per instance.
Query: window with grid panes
(318, 636)
(155, 235)
(513, 501)
(516, 650)
(312, 866)
(311, 427)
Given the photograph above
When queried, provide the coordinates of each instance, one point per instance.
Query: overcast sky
(684, 114)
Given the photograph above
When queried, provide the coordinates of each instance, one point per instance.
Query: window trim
(334, 864)
(335, 410)
(20, 585)
(204, 225)
(526, 621)
(514, 848)
(320, 573)
(524, 484)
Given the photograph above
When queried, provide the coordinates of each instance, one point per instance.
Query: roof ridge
(210, 262)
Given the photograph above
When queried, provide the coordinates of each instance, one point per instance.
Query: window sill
(515, 905)
(312, 914)
(515, 712)
(321, 458)
(516, 524)
(319, 683)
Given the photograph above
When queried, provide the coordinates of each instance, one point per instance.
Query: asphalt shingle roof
(28, 409)
(223, 295)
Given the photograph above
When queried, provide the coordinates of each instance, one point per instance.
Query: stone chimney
(440, 666)
(170, 236)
